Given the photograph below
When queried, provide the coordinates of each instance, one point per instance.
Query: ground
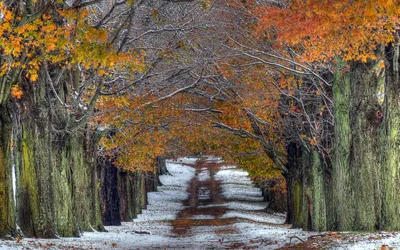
(208, 205)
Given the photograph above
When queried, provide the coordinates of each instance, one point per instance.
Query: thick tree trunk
(65, 215)
(342, 218)
(57, 185)
(294, 184)
(110, 196)
(138, 192)
(124, 190)
(7, 216)
(314, 201)
(364, 156)
(35, 203)
(82, 186)
(356, 172)
(390, 142)
(94, 180)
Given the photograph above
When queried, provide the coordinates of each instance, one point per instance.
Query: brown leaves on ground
(332, 240)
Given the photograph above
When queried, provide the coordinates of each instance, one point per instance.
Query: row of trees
(328, 73)
(61, 62)
(300, 93)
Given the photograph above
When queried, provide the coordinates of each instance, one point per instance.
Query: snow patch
(169, 196)
(14, 183)
(203, 217)
(184, 160)
(258, 217)
(204, 175)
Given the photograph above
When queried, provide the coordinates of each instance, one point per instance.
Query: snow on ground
(184, 160)
(240, 205)
(236, 185)
(170, 195)
(231, 174)
(150, 230)
(211, 159)
(203, 217)
(251, 228)
(371, 241)
(204, 174)
(258, 217)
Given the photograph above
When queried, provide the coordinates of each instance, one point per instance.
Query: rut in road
(205, 205)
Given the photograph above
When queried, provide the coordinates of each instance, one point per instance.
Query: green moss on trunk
(7, 216)
(35, 196)
(342, 218)
(356, 168)
(294, 183)
(314, 202)
(390, 142)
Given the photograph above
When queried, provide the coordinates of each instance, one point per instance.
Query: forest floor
(208, 205)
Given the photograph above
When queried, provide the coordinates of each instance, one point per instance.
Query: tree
(358, 41)
(48, 50)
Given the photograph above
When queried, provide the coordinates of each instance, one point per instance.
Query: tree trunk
(356, 170)
(35, 203)
(124, 190)
(81, 182)
(65, 214)
(390, 141)
(161, 168)
(7, 216)
(132, 194)
(314, 206)
(138, 192)
(110, 196)
(94, 179)
(342, 218)
(276, 200)
(294, 184)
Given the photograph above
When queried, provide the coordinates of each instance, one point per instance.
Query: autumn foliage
(329, 28)
(27, 44)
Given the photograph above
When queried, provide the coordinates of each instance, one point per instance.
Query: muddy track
(205, 204)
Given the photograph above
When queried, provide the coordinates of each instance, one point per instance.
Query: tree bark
(35, 203)
(110, 196)
(356, 172)
(65, 214)
(314, 201)
(7, 216)
(390, 141)
(294, 184)
(124, 189)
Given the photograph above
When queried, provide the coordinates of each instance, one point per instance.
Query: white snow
(251, 226)
(374, 241)
(236, 185)
(212, 158)
(204, 175)
(14, 183)
(153, 222)
(170, 195)
(184, 160)
(228, 172)
(203, 217)
(259, 217)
